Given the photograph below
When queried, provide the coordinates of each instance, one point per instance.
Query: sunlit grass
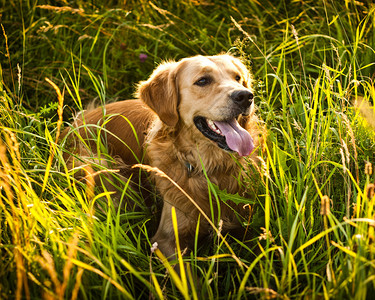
(313, 217)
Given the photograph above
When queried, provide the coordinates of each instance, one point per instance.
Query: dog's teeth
(212, 125)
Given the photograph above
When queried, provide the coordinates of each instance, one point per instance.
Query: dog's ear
(160, 92)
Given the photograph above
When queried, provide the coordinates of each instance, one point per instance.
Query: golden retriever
(194, 119)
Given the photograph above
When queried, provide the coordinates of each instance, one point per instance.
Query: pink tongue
(237, 138)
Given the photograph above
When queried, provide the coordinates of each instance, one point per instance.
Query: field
(313, 220)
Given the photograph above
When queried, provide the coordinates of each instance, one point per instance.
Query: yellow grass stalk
(62, 9)
(176, 279)
(11, 182)
(47, 263)
(8, 55)
(60, 98)
(106, 277)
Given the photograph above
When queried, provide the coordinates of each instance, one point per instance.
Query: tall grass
(313, 217)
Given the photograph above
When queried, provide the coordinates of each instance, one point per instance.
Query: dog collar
(189, 168)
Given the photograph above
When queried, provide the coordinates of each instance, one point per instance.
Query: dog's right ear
(160, 92)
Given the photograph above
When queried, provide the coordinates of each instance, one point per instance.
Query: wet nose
(243, 98)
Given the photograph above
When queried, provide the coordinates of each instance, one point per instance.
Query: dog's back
(122, 127)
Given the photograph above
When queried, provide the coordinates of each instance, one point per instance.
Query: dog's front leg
(165, 236)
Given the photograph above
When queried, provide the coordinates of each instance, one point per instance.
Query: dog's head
(205, 93)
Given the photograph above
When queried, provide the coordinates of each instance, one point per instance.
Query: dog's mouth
(228, 135)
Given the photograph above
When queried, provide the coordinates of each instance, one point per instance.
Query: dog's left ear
(160, 92)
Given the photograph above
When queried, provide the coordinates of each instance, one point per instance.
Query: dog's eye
(238, 78)
(203, 81)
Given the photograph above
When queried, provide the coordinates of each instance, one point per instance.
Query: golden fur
(166, 137)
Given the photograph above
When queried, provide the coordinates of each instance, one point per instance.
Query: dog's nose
(243, 98)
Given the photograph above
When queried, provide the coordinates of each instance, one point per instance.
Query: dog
(193, 119)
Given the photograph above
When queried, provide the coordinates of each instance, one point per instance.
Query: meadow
(313, 219)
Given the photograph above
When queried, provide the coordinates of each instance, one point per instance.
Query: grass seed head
(368, 168)
(325, 206)
(370, 191)
(266, 235)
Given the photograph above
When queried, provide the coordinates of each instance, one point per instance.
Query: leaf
(235, 198)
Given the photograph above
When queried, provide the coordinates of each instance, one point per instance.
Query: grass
(313, 221)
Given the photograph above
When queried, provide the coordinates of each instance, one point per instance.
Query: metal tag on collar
(189, 168)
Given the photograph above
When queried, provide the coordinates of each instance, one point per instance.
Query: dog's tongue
(237, 138)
